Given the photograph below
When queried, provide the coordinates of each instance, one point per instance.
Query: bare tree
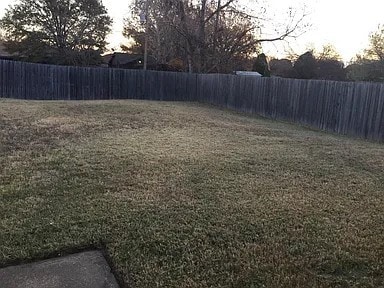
(370, 65)
(207, 35)
(375, 51)
(328, 52)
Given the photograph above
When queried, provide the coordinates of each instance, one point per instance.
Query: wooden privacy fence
(343, 107)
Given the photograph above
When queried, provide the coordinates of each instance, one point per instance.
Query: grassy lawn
(186, 195)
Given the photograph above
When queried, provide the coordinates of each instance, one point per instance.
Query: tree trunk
(201, 36)
(188, 40)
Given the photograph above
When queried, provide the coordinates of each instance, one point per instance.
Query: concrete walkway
(85, 270)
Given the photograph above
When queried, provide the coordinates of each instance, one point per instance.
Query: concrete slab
(85, 270)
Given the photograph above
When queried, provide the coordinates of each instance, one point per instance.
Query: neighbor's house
(126, 61)
(136, 61)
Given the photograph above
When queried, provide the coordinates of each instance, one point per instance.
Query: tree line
(327, 64)
(64, 32)
(202, 36)
(191, 35)
(323, 65)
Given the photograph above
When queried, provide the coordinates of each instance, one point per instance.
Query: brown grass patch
(185, 195)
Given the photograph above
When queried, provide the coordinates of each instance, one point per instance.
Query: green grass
(186, 195)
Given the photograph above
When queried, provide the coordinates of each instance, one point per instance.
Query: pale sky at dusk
(345, 24)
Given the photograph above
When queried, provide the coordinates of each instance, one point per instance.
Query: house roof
(119, 58)
(124, 58)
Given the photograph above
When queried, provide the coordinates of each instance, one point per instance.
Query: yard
(187, 195)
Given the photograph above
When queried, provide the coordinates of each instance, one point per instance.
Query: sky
(346, 24)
